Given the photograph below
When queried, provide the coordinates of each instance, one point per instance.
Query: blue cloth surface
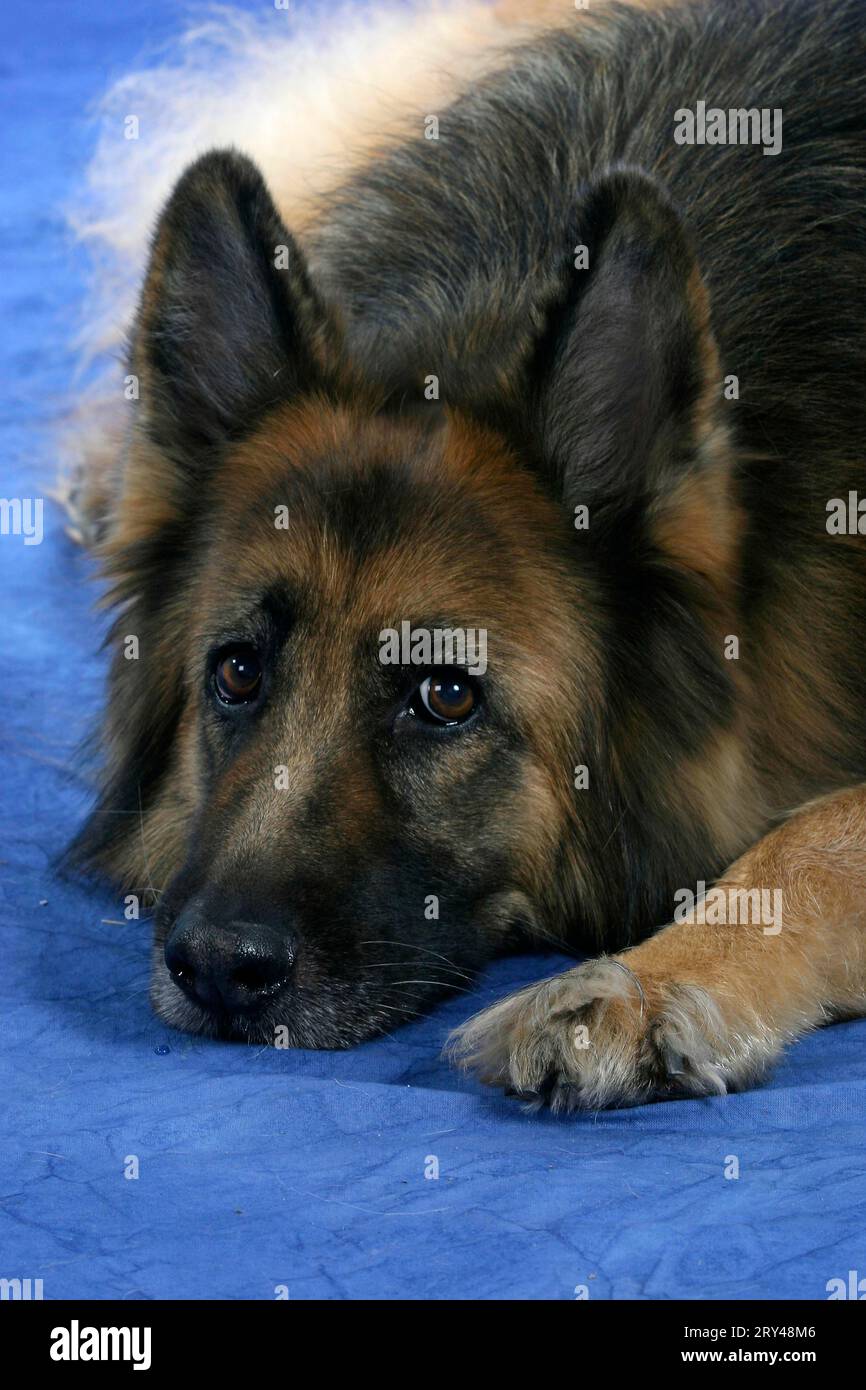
(264, 1168)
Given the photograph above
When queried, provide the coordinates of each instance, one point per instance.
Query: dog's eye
(448, 699)
(238, 675)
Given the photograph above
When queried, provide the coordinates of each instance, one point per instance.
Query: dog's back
(444, 248)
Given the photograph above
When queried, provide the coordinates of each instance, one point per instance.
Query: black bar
(266, 1337)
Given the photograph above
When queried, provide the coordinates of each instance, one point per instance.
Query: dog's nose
(236, 967)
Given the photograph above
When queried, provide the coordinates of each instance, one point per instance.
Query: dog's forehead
(389, 515)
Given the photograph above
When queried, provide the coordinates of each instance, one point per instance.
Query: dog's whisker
(447, 977)
(396, 964)
(411, 946)
(403, 1012)
(439, 983)
(150, 884)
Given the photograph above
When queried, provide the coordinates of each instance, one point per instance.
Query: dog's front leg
(705, 1004)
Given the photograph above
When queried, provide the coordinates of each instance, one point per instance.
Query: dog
(572, 359)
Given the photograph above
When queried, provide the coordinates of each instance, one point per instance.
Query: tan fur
(711, 1005)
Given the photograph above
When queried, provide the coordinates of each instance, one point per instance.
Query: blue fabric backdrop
(265, 1168)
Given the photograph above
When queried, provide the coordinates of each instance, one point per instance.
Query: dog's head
(379, 662)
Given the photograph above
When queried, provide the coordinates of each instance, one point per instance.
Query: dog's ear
(229, 323)
(229, 326)
(624, 383)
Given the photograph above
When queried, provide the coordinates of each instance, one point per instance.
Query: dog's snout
(235, 967)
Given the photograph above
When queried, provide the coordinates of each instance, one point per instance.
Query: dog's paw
(598, 1036)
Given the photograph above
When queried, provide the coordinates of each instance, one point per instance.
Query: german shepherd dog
(575, 363)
